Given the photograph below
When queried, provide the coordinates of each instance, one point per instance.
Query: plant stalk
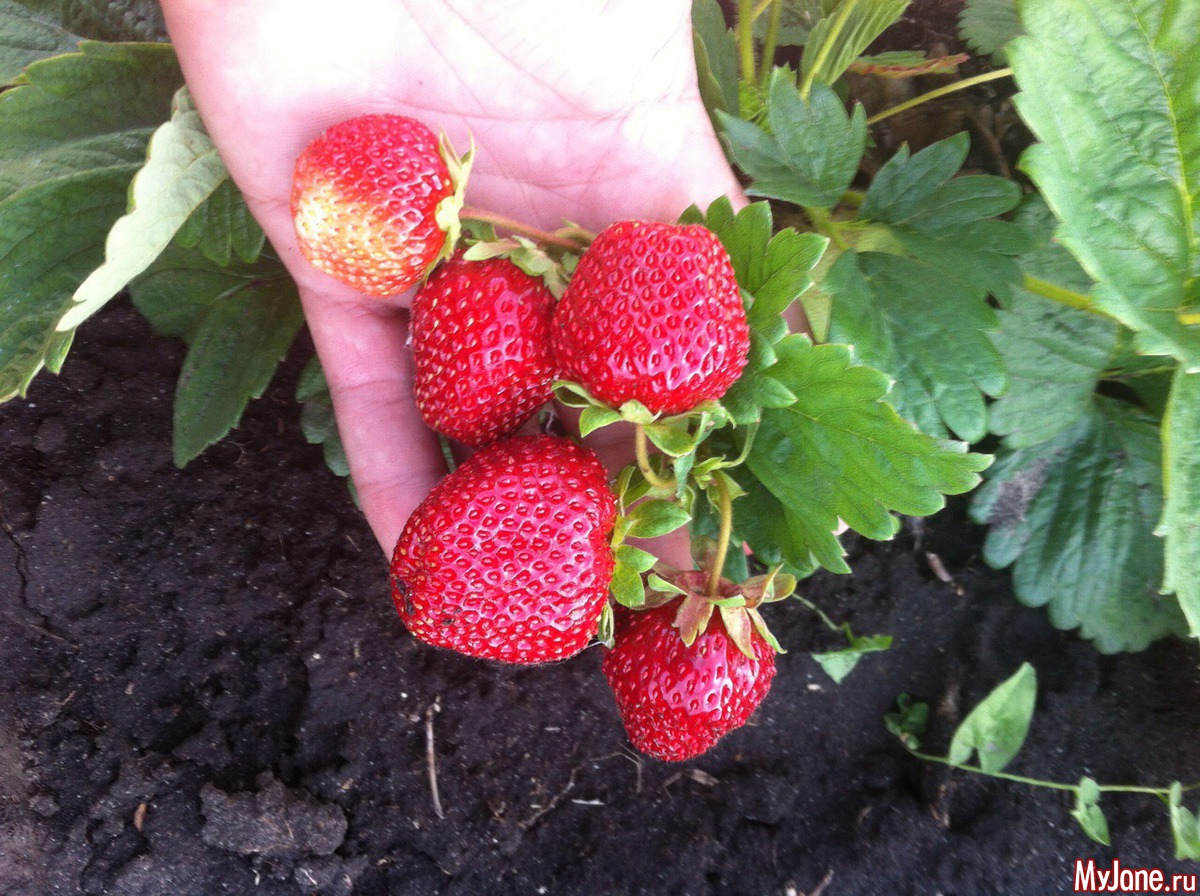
(641, 445)
(534, 233)
(724, 536)
(772, 41)
(1063, 296)
(941, 91)
(745, 34)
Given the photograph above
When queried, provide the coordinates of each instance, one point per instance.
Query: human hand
(587, 111)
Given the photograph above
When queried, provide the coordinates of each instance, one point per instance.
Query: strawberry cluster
(520, 554)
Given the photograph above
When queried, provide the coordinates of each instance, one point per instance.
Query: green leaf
(107, 20)
(72, 134)
(26, 37)
(223, 228)
(840, 663)
(1185, 828)
(920, 283)
(839, 38)
(650, 519)
(996, 728)
(231, 359)
(1088, 813)
(593, 418)
(182, 170)
(1112, 89)
(842, 453)
(986, 26)
(1076, 516)
(809, 151)
(716, 57)
(773, 270)
(317, 420)
(1180, 523)
(1054, 355)
(908, 722)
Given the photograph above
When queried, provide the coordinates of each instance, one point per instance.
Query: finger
(394, 459)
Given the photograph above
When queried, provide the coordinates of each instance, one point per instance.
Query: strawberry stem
(578, 239)
(941, 91)
(641, 445)
(726, 510)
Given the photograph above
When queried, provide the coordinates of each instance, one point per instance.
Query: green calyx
(447, 213)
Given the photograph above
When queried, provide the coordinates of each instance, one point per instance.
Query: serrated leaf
(72, 134)
(626, 587)
(986, 26)
(222, 228)
(1180, 523)
(182, 170)
(317, 420)
(809, 151)
(634, 558)
(1185, 829)
(842, 453)
(231, 359)
(996, 728)
(920, 282)
(841, 36)
(1112, 89)
(1075, 516)
(650, 519)
(1054, 354)
(840, 663)
(26, 37)
(716, 58)
(1088, 813)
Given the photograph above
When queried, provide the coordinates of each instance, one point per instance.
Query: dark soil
(204, 689)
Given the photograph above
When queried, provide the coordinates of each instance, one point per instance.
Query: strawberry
(375, 201)
(481, 344)
(508, 558)
(677, 700)
(653, 313)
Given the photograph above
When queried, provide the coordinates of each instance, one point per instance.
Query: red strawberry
(481, 343)
(367, 196)
(509, 558)
(677, 701)
(653, 313)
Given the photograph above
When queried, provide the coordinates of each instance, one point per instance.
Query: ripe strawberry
(481, 343)
(653, 313)
(508, 558)
(373, 199)
(677, 701)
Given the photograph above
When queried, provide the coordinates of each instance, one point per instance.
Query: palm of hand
(575, 115)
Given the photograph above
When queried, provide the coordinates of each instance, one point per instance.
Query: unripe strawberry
(373, 199)
(481, 347)
(677, 701)
(653, 313)
(509, 557)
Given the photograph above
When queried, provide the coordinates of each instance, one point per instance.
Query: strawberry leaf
(223, 228)
(808, 151)
(182, 170)
(231, 359)
(1185, 826)
(1181, 477)
(317, 420)
(1088, 813)
(653, 518)
(716, 58)
(839, 453)
(72, 134)
(841, 36)
(1054, 355)
(1075, 517)
(107, 20)
(921, 283)
(1112, 89)
(986, 26)
(27, 36)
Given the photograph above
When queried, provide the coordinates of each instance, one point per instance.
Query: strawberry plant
(818, 361)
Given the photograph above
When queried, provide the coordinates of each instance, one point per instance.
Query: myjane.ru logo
(1092, 878)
